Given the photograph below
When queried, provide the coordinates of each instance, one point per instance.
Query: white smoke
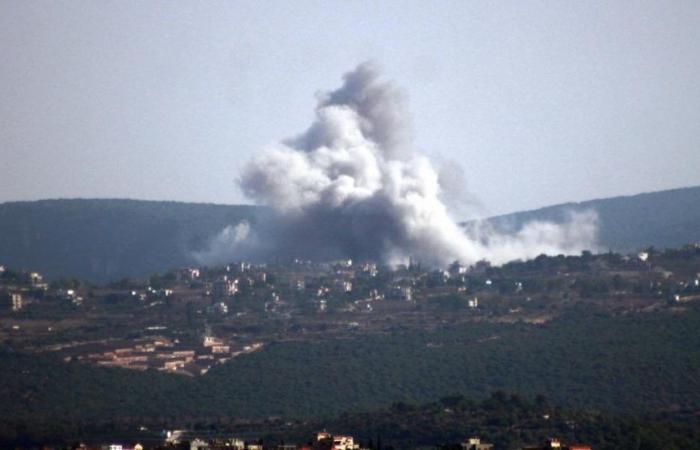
(228, 244)
(354, 186)
(576, 234)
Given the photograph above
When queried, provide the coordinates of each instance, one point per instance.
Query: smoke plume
(353, 185)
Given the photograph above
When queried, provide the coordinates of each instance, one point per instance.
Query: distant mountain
(102, 240)
(661, 219)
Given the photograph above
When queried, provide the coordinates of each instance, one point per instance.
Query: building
(369, 270)
(220, 349)
(11, 301)
(474, 443)
(191, 273)
(16, 301)
(174, 437)
(223, 287)
(199, 444)
(236, 444)
(218, 308)
(328, 441)
(343, 286)
(35, 278)
(211, 341)
(554, 443)
(456, 269)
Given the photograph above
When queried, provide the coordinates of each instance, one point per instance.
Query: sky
(538, 102)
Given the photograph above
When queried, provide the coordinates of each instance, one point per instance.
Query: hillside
(654, 357)
(102, 240)
(593, 333)
(511, 422)
(663, 219)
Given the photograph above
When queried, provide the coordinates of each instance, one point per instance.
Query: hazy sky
(541, 102)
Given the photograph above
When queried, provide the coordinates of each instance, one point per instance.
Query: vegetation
(509, 422)
(631, 364)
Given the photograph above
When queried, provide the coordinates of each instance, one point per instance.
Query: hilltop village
(187, 320)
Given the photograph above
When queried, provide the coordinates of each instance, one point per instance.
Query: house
(211, 341)
(16, 301)
(474, 443)
(236, 444)
(328, 441)
(218, 308)
(554, 443)
(223, 287)
(219, 349)
(369, 270)
(345, 286)
(191, 273)
(174, 437)
(199, 444)
(11, 301)
(35, 278)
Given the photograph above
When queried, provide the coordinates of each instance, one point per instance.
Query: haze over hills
(107, 239)
(662, 219)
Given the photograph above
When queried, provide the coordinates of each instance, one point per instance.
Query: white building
(198, 444)
(475, 443)
(16, 301)
(223, 287)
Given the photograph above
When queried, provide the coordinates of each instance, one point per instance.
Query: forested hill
(102, 240)
(635, 365)
(663, 219)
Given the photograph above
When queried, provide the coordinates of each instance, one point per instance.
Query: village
(187, 320)
(185, 440)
